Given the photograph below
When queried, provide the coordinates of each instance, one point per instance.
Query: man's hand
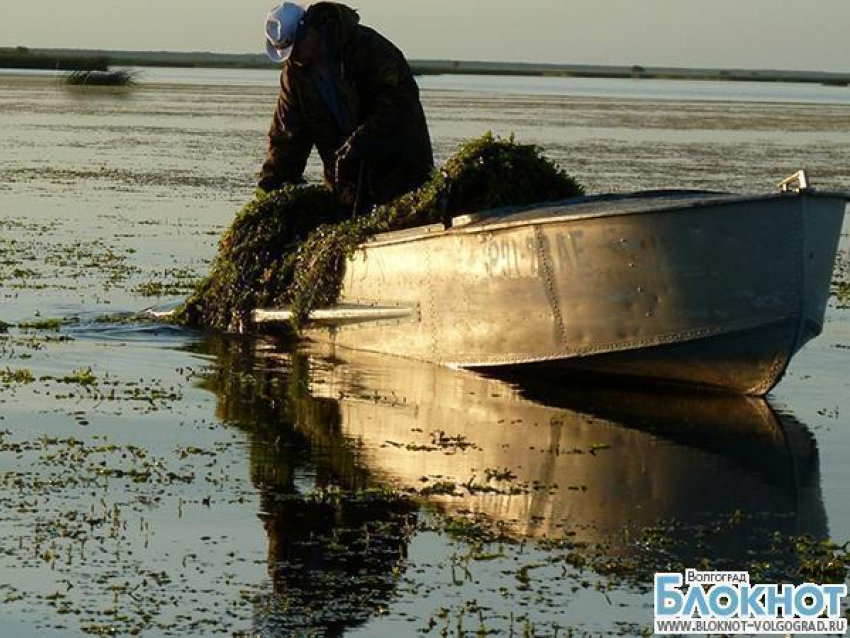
(347, 162)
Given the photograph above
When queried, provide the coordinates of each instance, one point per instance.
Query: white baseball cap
(281, 26)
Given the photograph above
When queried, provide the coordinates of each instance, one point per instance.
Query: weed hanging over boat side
(487, 172)
(256, 256)
(269, 257)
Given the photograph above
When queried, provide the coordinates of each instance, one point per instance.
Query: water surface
(167, 482)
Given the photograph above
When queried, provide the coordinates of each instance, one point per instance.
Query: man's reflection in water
(336, 544)
(635, 481)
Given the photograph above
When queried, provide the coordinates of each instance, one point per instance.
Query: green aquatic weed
(841, 291)
(21, 376)
(256, 256)
(41, 324)
(83, 376)
(290, 247)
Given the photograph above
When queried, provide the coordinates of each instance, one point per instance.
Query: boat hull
(715, 291)
(748, 362)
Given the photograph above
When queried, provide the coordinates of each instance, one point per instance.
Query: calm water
(586, 87)
(173, 483)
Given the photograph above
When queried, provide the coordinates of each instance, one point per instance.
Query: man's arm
(290, 141)
(389, 80)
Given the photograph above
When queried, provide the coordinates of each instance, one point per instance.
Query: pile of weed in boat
(257, 256)
(289, 247)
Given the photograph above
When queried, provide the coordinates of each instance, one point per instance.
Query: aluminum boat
(704, 289)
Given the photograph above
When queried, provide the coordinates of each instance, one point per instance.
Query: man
(348, 91)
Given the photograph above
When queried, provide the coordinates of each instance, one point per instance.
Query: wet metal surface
(634, 277)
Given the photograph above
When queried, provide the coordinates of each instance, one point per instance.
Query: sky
(777, 34)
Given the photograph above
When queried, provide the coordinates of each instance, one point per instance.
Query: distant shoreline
(71, 59)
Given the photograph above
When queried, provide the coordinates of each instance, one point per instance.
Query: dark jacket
(345, 83)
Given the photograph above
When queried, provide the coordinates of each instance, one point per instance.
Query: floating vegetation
(38, 255)
(440, 488)
(88, 77)
(822, 561)
(671, 546)
(841, 290)
(9, 377)
(41, 324)
(290, 247)
(51, 323)
(83, 376)
(135, 503)
(163, 288)
(339, 543)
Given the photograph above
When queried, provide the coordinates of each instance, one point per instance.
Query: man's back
(340, 76)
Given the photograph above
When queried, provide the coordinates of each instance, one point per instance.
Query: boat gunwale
(533, 215)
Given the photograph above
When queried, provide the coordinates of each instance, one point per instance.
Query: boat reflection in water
(593, 463)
